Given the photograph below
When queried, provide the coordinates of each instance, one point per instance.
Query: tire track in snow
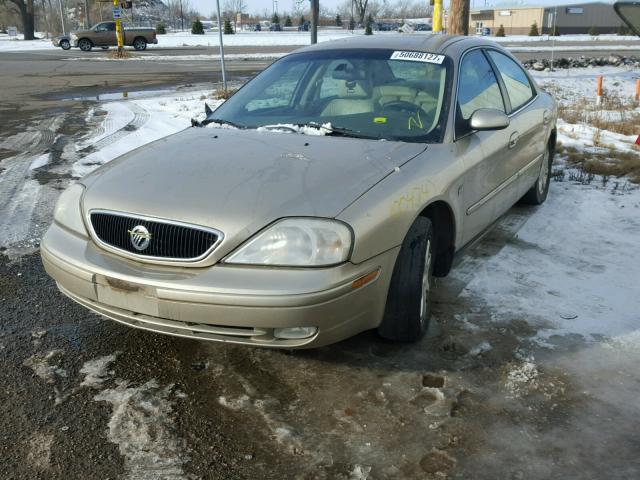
(140, 117)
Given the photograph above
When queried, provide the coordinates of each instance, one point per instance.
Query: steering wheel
(401, 106)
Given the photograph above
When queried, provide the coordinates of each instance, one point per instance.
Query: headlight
(297, 242)
(68, 212)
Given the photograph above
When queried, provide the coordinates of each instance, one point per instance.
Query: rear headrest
(344, 71)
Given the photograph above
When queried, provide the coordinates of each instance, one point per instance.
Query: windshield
(366, 93)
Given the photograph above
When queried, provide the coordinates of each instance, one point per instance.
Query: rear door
(488, 182)
(527, 120)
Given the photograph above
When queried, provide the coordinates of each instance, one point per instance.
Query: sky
(206, 7)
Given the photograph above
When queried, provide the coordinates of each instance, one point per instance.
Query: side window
(279, 93)
(111, 27)
(102, 27)
(478, 86)
(518, 86)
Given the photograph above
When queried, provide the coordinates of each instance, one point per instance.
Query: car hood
(239, 181)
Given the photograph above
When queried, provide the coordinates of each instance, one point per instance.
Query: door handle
(513, 139)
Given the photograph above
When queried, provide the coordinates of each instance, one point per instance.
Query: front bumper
(234, 304)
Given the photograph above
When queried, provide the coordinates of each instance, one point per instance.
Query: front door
(490, 174)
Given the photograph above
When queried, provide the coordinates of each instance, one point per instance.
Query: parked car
(257, 27)
(61, 41)
(275, 27)
(317, 202)
(103, 35)
(304, 27)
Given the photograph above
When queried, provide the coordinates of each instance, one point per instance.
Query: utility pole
(459, 17)
(315, 13)
(224, 75)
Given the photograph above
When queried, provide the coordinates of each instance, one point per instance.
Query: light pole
(224, 75)
(87, 17)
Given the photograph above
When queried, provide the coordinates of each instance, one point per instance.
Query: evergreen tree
(197, 28)
(161, 28)
(288, 22)
(534, 30)
(275, 19)
(593, 31)
(500, 32)
(368, 28)
(302, 20)
(338, 20)
(228, 29)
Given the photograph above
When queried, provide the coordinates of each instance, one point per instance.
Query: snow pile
(142, 427)
(96, 371)
(43, 365)
(319, 131)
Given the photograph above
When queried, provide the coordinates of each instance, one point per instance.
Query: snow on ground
(572, 268)
(210, 39)
(180, 58)
(129, 124)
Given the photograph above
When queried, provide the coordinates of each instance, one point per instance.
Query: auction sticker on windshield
(417, 57)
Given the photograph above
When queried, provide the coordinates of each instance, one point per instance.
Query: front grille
(168, 240)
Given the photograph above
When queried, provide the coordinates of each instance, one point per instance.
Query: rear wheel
(538, 193)
(408, 308)
(85, 44)
(65, 45)
(140, 44)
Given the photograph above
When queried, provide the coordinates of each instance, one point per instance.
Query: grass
(606, 162)
(224, 94)
(614, 114)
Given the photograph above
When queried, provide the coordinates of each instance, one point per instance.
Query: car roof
(446, 44)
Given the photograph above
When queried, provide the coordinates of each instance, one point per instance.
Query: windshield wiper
(220, 121)
(338, 131)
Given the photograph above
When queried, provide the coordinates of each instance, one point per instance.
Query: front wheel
(408, 308)
(140, 44)
(105, 48)
(65, 45)
(85, 45)
(538, 193)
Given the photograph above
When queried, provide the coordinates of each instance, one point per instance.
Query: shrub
(593, 31)
(500, 32)
(338, 20)
(533, 32)
(227, 29)
(288, 22)
(623, 30)
(197, 28)
(161, 28)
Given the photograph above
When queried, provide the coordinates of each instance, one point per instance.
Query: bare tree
(361, 9)
(234, 7)
(459, 17)
(26, 11)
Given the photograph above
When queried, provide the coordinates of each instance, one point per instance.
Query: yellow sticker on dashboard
(380, 120)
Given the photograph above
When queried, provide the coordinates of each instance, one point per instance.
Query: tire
(538, 193)
(85, 44)
(105, 48)
(140, 44)
(65, 45)
(408, 308)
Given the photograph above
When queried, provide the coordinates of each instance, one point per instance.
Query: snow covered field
(210, 39)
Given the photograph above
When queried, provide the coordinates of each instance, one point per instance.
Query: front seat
(353, 98)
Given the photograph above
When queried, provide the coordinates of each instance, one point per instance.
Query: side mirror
(488, 119)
